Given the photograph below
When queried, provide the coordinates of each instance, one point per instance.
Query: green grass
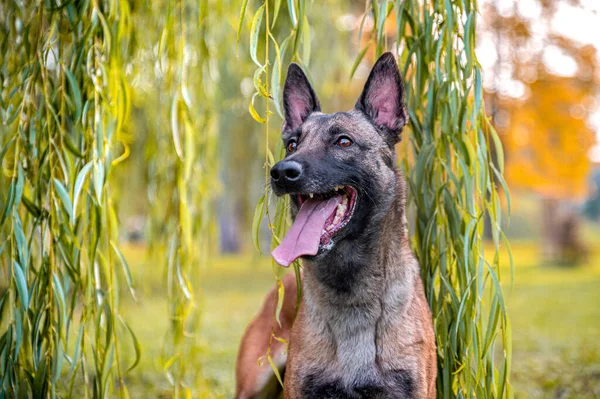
(555, 316)
(232, 291)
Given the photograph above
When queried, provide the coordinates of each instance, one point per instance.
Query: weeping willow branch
(189, 179)
(452, 175)
(453, 187)
(267, 82)
(63, 105)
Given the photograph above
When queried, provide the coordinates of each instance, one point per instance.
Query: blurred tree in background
(542, 86)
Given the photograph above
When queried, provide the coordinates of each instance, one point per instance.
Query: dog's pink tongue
(304, 236)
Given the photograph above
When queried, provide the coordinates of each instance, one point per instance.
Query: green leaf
(175, 126)
(22, 246)
(280, 297)
(381, 18)
(254, 30)
(253, 111)
(241, 23)
(9, 203)
(306, 42)
(361, 26)
(260, 88)
(71, 146)
(98, 180)
(60, 298)
(498, 147)
(125, 267)
(64, 197)
(5, 148)
(276, 8)
(136, 346)
(299, 26)
(275, 369)
(76, 93)
(276, 78)
(478, 92)
(276, 75)
(20, 185)
(258, 216)
(21, 283)
(75, 359)
(292, 11)
(358, 59)
(18, 333)
(78, 185)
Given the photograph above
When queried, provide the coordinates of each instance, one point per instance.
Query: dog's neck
(358, 270)
(352, 298)
(374, 271)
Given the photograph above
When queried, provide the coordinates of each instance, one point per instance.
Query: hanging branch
(452, 177)
(267, 82)
(60, 138)
(187, 184)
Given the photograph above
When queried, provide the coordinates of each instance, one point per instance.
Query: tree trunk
(561, 237)
(549, 229)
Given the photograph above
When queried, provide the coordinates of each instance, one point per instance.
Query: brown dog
(364, 329)
(254, 380)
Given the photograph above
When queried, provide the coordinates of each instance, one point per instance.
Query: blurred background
(541, 78)
(540, 61)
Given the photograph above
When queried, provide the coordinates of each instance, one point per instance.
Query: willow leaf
(258, 215)
(76, 93)
(64, 197)
(21, 283)
(241, 23)
(126, 269)
(253, 111)
(254, 30)
(78, 186)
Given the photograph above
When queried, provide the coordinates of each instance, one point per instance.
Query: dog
(363, 328)
(256, 379)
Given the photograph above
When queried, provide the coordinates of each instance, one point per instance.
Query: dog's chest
(397, 384)
(346, 358)
(353, 369)
(355, 374)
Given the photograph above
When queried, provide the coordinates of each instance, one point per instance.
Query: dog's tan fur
(364, 328)
(394, 329)
(401, 331)
(258, 381)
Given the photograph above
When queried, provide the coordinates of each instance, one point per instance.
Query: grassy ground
(555, 316)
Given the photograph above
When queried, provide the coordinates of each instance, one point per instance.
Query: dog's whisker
(361, 189)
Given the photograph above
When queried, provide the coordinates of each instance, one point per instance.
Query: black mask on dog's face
(338, 167)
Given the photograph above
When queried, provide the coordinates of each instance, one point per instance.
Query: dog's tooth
(310, 195)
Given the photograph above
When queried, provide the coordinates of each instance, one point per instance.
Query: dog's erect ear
(382, 99)
(299, 98)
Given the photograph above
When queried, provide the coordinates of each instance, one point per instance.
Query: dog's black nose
(286, 171)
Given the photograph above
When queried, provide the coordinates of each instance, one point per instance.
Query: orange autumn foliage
(547, 139)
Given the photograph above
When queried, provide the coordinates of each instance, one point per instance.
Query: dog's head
(339, 169)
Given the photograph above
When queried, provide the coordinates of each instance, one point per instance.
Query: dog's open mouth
(320, 217)
(343, 210)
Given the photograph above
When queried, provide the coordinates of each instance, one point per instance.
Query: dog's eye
(291, 146)
(344, 142)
